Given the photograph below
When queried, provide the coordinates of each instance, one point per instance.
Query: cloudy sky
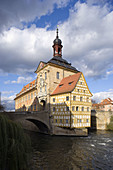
(27, 31)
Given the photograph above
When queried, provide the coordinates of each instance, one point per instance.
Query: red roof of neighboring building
(106, 101)
(67, 84)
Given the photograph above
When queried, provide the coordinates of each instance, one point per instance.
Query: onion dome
(57, 40)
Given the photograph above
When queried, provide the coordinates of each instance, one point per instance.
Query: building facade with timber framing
(59, 88)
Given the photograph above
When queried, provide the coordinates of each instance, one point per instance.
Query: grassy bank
(15, 146)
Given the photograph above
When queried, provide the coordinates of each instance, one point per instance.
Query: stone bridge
(100, 119)
(34, 121)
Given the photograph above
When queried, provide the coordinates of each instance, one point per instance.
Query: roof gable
(106, 101)
(40, 66)
(67, 84)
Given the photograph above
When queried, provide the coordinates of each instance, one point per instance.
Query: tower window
(45, 75)
(45, 88)
(40, 89)
(58, 75)
(58, 50)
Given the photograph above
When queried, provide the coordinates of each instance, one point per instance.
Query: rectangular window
(74, 98)
(45, 75)
(84, 91)
(66, 120)
(56, 120)
(28, 96)
(53, 99)
(87, 99)
(67, 108)
(67, 98)
(31, 95)
(73, 108)
(82, 109)
(81, 82)
(53, 109)
(81, 99)
(77, 108)
(31, 107)
(60, 120)
(87, 120)
(87, 109)
(34, 107)
(77, 120)
(80, 120)
(58, 75)
(78, 90)
(45, 88)
(35, 94)
(40, 89)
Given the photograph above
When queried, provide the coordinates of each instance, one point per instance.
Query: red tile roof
(67, 84)
(31, 84)
(106, 101)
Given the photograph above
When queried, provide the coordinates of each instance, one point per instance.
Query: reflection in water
(72, 153)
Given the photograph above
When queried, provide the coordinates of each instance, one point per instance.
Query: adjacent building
(104, 105)
(59, 89)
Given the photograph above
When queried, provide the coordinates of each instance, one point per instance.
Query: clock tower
(57, 46)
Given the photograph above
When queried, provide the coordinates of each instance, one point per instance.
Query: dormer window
(60, 85)
(70, 82)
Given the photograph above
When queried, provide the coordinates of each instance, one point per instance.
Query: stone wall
(100, 119)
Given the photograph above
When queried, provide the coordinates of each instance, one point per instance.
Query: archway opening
(43, 104)
(43, 128)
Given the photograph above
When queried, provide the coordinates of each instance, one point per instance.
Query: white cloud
(20, 80)
(87, 40)
(8, 102)
(13, 13)
(7, 92)
(103, 95)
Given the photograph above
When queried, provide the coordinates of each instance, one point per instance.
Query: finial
(57, 32)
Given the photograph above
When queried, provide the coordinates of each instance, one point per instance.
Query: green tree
(110, 125)
(15, 146)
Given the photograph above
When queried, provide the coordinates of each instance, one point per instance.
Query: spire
(57, 34)
(57, 46)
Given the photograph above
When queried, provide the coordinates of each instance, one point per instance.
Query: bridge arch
(42, 126)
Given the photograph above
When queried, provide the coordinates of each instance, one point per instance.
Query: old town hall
(59, 89)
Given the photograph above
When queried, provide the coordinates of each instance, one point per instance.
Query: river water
(72, 153)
